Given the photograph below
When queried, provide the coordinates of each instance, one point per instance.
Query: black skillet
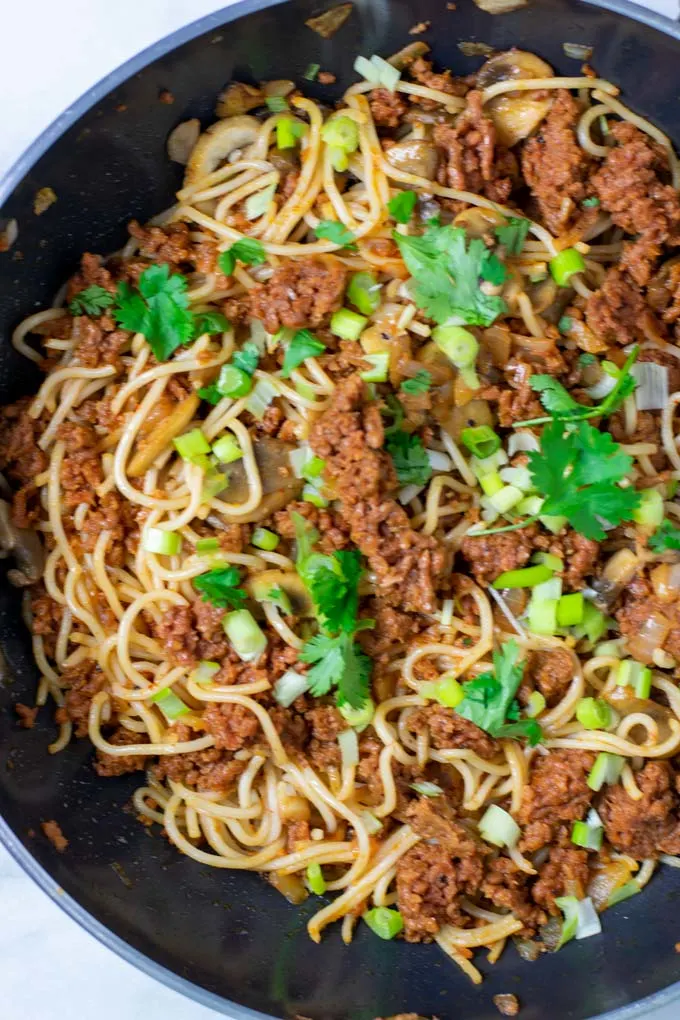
(228, 939)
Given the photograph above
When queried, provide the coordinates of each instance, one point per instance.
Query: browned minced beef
(447, 729)
(387, 108)
(429, 885)
(81, 470)
(550, 671)
(120, 764)
(331, 526)
(349, 436)
(565, 873)
(473, 160)
(81, 682)
(26, 715)
(421, 70)
(56, 837)
(634, 187)
(557, 793)
(120, 518)
(232, 726)
(99, 343)
(434, 820)
(506, 886)
(555, 166)
(639, 603)
(20, 455)
(191, 633)
(202, 770)
(645, 827)
(46, 616)
(302, 292)
(393, 629)
(91, 273)
(617, 312)
(491, 555)
(580, 556)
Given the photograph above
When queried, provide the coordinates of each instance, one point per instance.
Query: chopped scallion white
(289, 687)
(652, 385)
(349, 748)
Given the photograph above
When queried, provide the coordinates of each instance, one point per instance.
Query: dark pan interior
(229, 933)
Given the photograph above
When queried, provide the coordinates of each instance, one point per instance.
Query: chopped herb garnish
(401, 206)
(590, 203)
(565, 323)
(446, 274)
(277, 104)
(420, 383)
(221, 587)
(410, 458)
(337, 233)
(394, 410)
(160, 310)
(666, 537)
(586, 358)
(303, 345)
(248, 250)
(91, 301)
(559, 402)
(490, 698)
(337, 663)
(210, 322)
(312, 71)
(493, 271)
(513, 235)
(247, 358)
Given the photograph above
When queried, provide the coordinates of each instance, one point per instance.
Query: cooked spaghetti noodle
(288, 467)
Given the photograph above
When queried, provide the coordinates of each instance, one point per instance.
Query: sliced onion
(651, 635)
(182, 139)
(672, 862)
(522, 442)
(505, 609)
(438, 461)
(666, 581)
(408, 493)
(588, 923)
(9, 231)
(446, 613)
(651, 393)
(289, 687)
(500, 6)
(349, 748)
(577, 51)
(371, 823)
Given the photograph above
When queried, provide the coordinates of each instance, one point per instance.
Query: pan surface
(228, 939)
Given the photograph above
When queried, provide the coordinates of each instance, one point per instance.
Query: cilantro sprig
(248, 250)
(410, 457)
(401, 206)
(303, 345)
(159, 310)
(420, 383)
(91, 301)
(337, 663)
(490, 698)
(221, 587)
(446, 274)
(337, 233)
(665, 538)
(560, 403)
(513, 234)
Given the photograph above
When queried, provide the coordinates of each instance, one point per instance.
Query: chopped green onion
(234, 382)
(341, 133)
(587, 836)
(261, 397)
(313, 469)
(358, 718)
(498, 827)
(346, 324)
(289, 687)
(388, 74)
(158, 540)
(624, 892)
(553, 523)
(367, 70)
(556, 563)
(570, 610)
(607, 769)
(371, 823)
(257, 205)
(480, 440)
(506, 498)
(384, 922)
(426, 789)
(246, 637)
(192, 445)
(569, 907)
(310, 494)
(447, 691)
(205, 671)
(565, 264)
(484, 466)
(171, 706)
(339, 159)
(364, 292)
(311, 72)
(380, 364)
(226, 449)
(520, 477)
(213, 483)
(536, 704)
(315, 879)
(580, 919)
(491, 483)
(277, 104)
(594, 624)
(265, 539)
(288, 132)
(590, 203)
(611, 649)
(207, 545)
(565, 324)
(542, 616)
(527, 577)
(650, 512)
(461, 348)
(630, 673)
(594, 714)
(349, 748)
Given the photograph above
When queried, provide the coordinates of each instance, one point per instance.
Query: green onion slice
(480, 440)
(158, 540)
(246, 637)
(384, 922)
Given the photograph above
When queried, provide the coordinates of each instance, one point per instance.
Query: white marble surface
(52, 52)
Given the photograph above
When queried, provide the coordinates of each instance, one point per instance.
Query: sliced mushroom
(24, 546)
(182, 139)
(217, 143)
(415, 156)
(279, 484)
(238, 98)
(408, 54)
(162, 434)
(454, 419)
(479, 222)
(515, 114)
(290, 584)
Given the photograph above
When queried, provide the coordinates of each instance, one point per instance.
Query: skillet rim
(12, 178)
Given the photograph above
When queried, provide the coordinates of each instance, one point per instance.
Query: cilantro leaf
(160, 311)
(210, 393)
(410, 458)
(248, 250)
(513, 235)
(577, 471)
(492, 269)
(446, 274)
(247, 358)
(334, 589)
(278, 597)
(558, 402)
(91, 301)
(490, 698)
(210, 322)
(394, 410)
(337, 663)
(303, 345)
(420, 383)
(220, 587)
(337, 233)
(554, 397)
(666, 537)
(401, 206)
